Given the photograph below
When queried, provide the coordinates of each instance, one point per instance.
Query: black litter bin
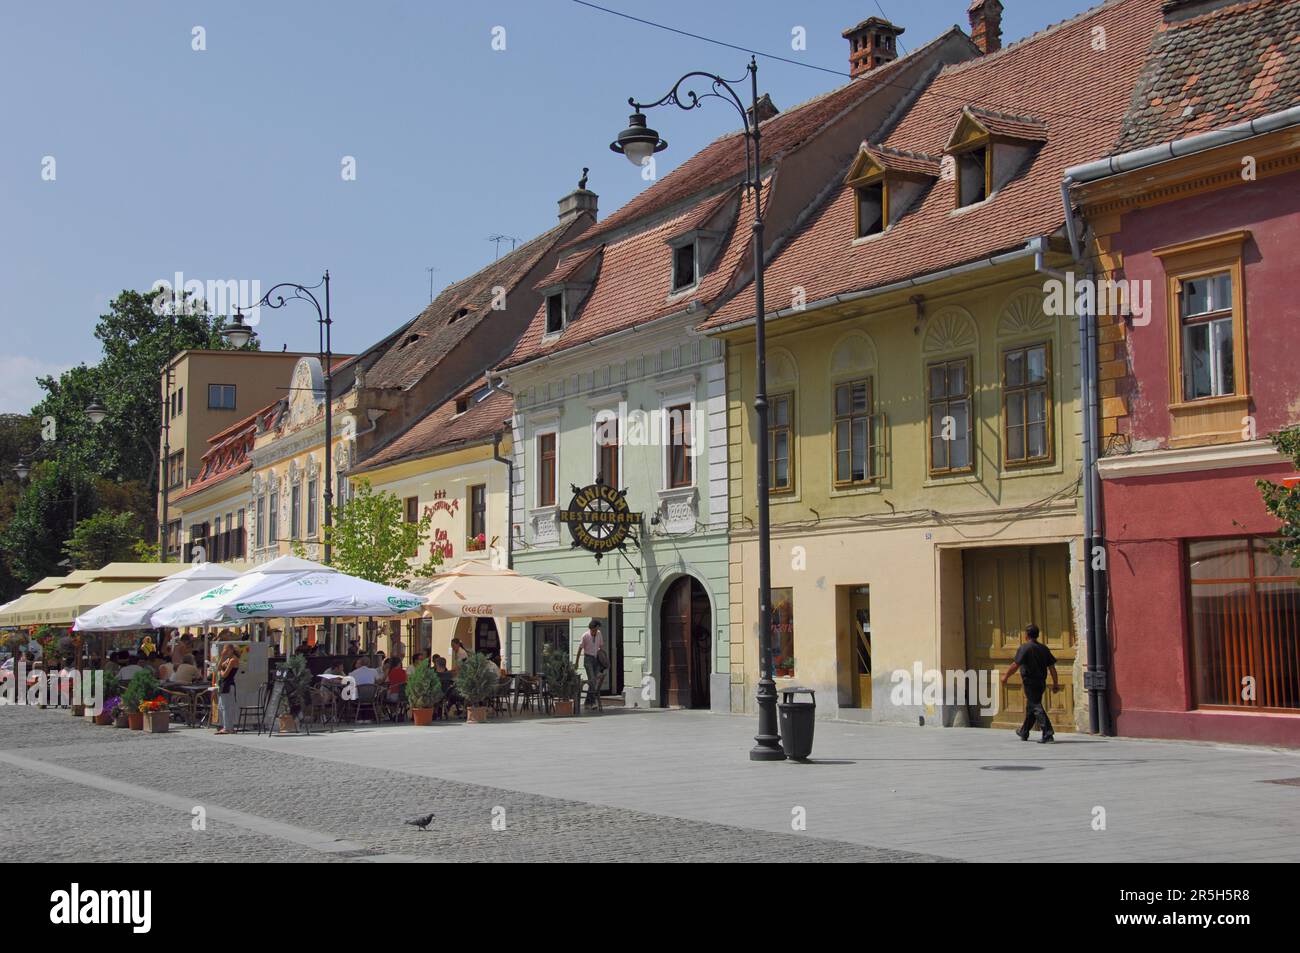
(797, 720)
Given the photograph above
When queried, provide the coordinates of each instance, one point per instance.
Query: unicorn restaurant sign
(600, 519)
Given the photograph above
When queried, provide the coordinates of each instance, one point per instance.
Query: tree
(1283, 501)
(41, 518)
(103, 538)
(371, 539)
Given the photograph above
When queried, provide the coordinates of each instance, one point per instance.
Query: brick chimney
(766, 109)
(872, 43)
(986, 24)
(578, 201)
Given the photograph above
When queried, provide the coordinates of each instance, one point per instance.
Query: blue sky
(226, 163)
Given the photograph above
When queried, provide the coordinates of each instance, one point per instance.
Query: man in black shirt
(1034, 661)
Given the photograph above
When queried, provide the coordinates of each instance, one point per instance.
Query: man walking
(592, 645)
(1034, 661)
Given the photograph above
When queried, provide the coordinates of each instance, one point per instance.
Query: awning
(128, 605)
(36, 595)
(477, 589)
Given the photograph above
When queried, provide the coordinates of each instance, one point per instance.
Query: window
(341, 492)
(972, 176)
(683, 266)
(462, 405)
(478, 511)
(780, 443)
(1205, 312)
(679, 446)
(273, 518)
(871, 209)
(783, 632)
(180, 401)
(295, 511)
(313, 514)
(259, 513)
(1026, 433)
(855, 450)
(411, 506)
(176, 470)
(221, 397)
(174, 536)
(607, 450)
(950, 416)
(546, 469)
(1245, 625)
(216, 552)
(555, 313)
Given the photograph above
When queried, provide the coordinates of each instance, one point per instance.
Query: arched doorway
(685, 645)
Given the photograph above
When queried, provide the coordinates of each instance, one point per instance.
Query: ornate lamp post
(638, 142)
(237, 334)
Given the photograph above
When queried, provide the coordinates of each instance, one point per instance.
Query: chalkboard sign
(276, 701)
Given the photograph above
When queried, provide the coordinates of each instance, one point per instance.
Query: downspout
(1094, 573)
(510, 528)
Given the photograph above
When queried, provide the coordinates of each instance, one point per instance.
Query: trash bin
(797, 723)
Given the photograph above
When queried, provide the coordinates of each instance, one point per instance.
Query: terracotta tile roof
(457, 311)
(567, 267)
(227, 453)
(634, 284)
(897, 160)
(1003, 124)
(724, 159)
(444, 429)
(1054, 75)
(1218, 69)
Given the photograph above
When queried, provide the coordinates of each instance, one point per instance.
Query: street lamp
(23, 468)
(238, 334)
(638, 142)
(96, 412)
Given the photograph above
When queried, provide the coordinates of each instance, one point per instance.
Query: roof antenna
(503, 238)
(431, 270)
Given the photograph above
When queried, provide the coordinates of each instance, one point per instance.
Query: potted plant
(142, 687)
(423, 693)
(477, 680)
(562, 679)
(297, 689)
(112, 694)
(109, 711)
(157, 718)
(476, 544)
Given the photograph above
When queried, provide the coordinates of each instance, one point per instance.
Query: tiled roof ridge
(221, 435)
(1045, 31)
(895, 152)
(517, 254)
(994, 114)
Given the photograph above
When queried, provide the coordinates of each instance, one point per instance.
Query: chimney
(986, 24)
(766, 109)
(578, 201)
(872, 43)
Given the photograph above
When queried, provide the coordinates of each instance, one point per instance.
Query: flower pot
(288, 725)
(563, 707)
(476, 714)
(104, 718)
(135, 721)
(422, 716)
(157, 722)
(78, 711)
(121, 720)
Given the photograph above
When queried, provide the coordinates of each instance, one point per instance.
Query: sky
(128, 155)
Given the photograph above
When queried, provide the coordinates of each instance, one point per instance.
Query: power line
(984, 104)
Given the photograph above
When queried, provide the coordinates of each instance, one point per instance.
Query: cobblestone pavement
(300, 798)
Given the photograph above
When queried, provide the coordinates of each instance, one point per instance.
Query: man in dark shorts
(1034, 661)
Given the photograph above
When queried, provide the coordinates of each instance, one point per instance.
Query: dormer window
(886, 183)
(683, 266)
(462, 405)
(973, 176)
(871, 215)
(555, 312)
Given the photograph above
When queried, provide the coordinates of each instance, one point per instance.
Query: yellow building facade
(893, 552)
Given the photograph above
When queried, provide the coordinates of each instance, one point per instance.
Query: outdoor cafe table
(194, 691)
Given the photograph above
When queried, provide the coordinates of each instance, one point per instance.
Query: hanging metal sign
(599, 519)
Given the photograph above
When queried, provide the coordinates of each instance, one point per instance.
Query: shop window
(783, 659)
(1245, 625)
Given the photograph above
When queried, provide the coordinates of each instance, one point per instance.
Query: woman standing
(227, 668)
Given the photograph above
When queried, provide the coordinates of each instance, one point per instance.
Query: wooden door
(674, 645)
(1006, 588)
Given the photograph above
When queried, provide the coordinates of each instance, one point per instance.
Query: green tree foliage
(1283, 501)
(41, 520)
(370, 538)
(103, 538)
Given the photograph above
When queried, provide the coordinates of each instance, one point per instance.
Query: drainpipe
(510, 527)
(1094, 579)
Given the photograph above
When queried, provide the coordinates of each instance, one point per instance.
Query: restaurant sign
(599, 519)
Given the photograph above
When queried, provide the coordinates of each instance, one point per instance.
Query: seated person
(439, 664)
(127, 672)
(394, 680)
(363, 673)
(187, 673)
(165, 671)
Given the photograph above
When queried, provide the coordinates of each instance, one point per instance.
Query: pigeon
(421, 822)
